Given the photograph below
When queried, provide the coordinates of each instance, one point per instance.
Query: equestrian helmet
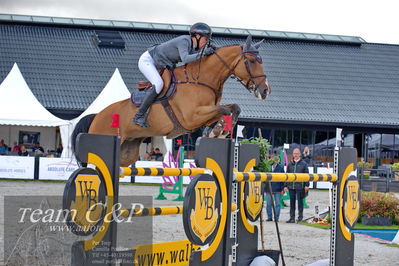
(202, 29)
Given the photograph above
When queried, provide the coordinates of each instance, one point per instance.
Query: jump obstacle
(220, 207)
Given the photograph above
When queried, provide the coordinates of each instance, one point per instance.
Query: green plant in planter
(395, 166)
(264, 165)
(365, 165)
(376, 204)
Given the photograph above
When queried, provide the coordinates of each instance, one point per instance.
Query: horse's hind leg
(130, 151)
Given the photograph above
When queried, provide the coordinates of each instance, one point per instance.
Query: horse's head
(249, 70)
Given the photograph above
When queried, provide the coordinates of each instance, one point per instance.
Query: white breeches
(147, 67)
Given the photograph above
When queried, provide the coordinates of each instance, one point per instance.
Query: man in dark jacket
(297, 190)
(277, 189)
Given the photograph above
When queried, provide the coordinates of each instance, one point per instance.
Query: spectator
(306, 155)
(297, 190)
(277, 190)
(37, 149)
(22, 151)
(147, 157)
(157, 155)
(59, 150)
(3, 148)
(16, 147)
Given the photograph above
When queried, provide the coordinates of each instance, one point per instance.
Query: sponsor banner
(56, 168)
(17, 167)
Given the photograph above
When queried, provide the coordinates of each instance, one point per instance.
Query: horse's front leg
(229, 109)
(235, 110)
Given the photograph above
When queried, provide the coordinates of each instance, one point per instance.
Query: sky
(373, 20)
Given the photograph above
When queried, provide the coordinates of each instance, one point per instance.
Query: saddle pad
(138, 96)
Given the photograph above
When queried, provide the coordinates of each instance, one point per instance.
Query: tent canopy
(20, 107)
(114, 91)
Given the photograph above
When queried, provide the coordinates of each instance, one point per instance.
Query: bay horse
(196, 101)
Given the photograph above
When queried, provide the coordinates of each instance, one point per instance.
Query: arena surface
(301, 244)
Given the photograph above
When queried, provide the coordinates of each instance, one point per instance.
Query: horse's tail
(81, 127)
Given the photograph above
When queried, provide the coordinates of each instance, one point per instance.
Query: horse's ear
(257, 45)
(248, 42)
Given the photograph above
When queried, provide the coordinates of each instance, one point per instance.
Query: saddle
(169, 89)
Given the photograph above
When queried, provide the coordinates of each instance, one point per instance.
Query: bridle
(255, 54)
(254, 86)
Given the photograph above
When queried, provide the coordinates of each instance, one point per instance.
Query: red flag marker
(179, 142)
(228, 126)
(115, 123)
(228, 119)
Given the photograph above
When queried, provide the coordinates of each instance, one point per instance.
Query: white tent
(20, 106)
(114, 91)
(20, 110)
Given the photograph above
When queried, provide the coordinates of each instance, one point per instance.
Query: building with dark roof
(319, 82)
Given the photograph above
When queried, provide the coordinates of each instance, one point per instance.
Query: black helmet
(201, 29)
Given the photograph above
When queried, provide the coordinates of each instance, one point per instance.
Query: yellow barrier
(140, 171)
(164, 210)
(283, 177)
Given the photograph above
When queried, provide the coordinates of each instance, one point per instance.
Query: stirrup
(141, 121)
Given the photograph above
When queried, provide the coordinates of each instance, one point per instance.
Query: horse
(195, 103)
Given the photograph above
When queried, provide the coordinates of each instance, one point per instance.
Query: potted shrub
(395, 167)
(378, 208)
(365, 165)
(264, 165)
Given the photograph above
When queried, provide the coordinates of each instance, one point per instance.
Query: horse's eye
(252, 61)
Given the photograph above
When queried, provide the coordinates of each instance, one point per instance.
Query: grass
(357, 226)
(362, 226)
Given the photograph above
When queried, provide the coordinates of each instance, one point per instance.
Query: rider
(183, 49)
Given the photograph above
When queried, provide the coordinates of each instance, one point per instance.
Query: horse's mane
(226, 46)
(211, 55)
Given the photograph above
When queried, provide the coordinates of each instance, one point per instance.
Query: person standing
(16, 147)
(297, 190)
(22, 151)
(3, 148)
(306, 156)
(277, 190)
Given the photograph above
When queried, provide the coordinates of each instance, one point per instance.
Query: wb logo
(86, 201)
(206, 202)
(205, 214)
(88, 192)
(253, 199)
(353, 193)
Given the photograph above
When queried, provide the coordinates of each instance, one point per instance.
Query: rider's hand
(209, 50)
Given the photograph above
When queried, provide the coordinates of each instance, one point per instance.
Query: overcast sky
(373, 20)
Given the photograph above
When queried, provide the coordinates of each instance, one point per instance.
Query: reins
(217, 91)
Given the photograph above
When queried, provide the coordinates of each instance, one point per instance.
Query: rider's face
(203, 41)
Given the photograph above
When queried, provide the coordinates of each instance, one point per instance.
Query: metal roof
(178, 27)
(312, 82)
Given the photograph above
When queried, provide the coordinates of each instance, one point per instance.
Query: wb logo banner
(88, 212)
(84, 201)
(204, 216)
(253, 199)
(351, 201)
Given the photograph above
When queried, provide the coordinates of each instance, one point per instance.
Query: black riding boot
(141, 115)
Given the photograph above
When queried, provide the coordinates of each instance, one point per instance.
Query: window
(109, 39)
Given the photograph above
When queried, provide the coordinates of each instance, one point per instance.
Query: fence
(380, 180)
